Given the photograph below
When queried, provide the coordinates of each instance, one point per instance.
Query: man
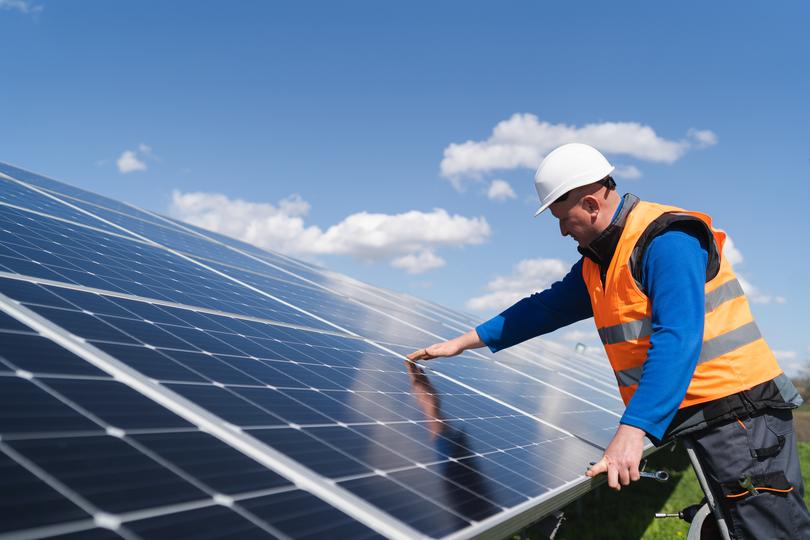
(679, 334)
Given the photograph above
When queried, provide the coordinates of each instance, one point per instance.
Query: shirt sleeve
(674, 277)
(565, 302)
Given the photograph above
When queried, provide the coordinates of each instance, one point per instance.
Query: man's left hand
(621, 458)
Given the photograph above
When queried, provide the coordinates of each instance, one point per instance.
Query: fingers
(634, 473)
(624, 475)
(613, 478)
(617, 475)
(424, 354)
(421, 354)
(598, 468)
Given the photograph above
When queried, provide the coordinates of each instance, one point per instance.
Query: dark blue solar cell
(283, 406)
(226, 405)
(117, 404)
(413, 450)
(31, 293)
(92, 302)
(334, 405)
(249, 346)
(26, 408)
(149, 312)
(268, 372)
(39, 355)
(470, 476)
(311, 452)
(83, 325)
(150, 362)
(420, 513)
(108, 472)
(147, 333)
(209, 523)
(204, 341)
(198, 320)
(212, 367)
(509, 461)
(9, 323)
(520, 483)
(459, 500)
(431, 435)
(310, 377)
(29, 268)
(29, 502)
(363, 449)
(305, 517)
(212, 462)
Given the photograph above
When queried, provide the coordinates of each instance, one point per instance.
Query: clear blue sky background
(351, 105)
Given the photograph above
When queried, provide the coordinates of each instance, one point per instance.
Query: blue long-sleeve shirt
(673, 276)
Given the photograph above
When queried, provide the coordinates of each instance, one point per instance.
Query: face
(577, 219)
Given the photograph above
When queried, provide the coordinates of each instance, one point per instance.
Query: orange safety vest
(734, 356)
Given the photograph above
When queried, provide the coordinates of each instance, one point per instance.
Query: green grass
(606, 515)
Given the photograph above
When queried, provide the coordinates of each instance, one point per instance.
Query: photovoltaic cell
(315, 377)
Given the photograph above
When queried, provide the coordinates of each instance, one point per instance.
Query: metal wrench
(661, 476)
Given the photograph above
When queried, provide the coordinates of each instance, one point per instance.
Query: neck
(608, 210)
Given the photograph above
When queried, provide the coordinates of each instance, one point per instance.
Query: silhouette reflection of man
(451, 444)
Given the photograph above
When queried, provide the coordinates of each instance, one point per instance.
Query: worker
(679, 334)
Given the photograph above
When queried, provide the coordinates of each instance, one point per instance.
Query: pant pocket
(768, 514)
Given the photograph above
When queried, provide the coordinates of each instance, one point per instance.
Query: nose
(563, 230)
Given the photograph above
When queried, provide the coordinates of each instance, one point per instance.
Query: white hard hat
(567, 167)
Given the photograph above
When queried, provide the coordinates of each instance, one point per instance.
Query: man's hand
(621, 458)
(452, 347)
(437, 350)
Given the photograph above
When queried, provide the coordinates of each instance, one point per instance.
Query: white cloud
(791, 363)
(528, 276)
(785, 355)
(731, 253)
(523, 140)
(703, 137)
(629, 172)
(128, 162)
(754, 294)
(134, 160)
(23, 6)
(406, 240)
(418, 263)
(500, 190)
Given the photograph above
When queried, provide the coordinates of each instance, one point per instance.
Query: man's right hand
(451, 347)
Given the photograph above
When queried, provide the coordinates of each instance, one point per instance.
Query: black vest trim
(661, 224)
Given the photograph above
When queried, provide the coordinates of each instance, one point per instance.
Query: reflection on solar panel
(161, 381)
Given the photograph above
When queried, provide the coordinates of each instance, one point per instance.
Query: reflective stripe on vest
(643, 327)
(712, 349)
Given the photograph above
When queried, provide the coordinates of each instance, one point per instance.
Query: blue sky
(366, 136)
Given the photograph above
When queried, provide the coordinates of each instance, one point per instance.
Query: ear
(591, 205)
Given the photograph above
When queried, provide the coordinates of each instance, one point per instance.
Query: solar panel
(160, 381)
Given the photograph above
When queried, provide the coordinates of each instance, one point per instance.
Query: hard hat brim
(542, 209)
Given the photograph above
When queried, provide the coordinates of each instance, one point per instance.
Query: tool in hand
(661, 476)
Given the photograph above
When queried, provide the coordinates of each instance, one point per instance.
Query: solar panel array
(162, 381)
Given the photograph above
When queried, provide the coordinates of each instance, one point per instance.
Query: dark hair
(607, 181)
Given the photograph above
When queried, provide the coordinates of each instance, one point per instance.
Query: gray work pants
(760, 447)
